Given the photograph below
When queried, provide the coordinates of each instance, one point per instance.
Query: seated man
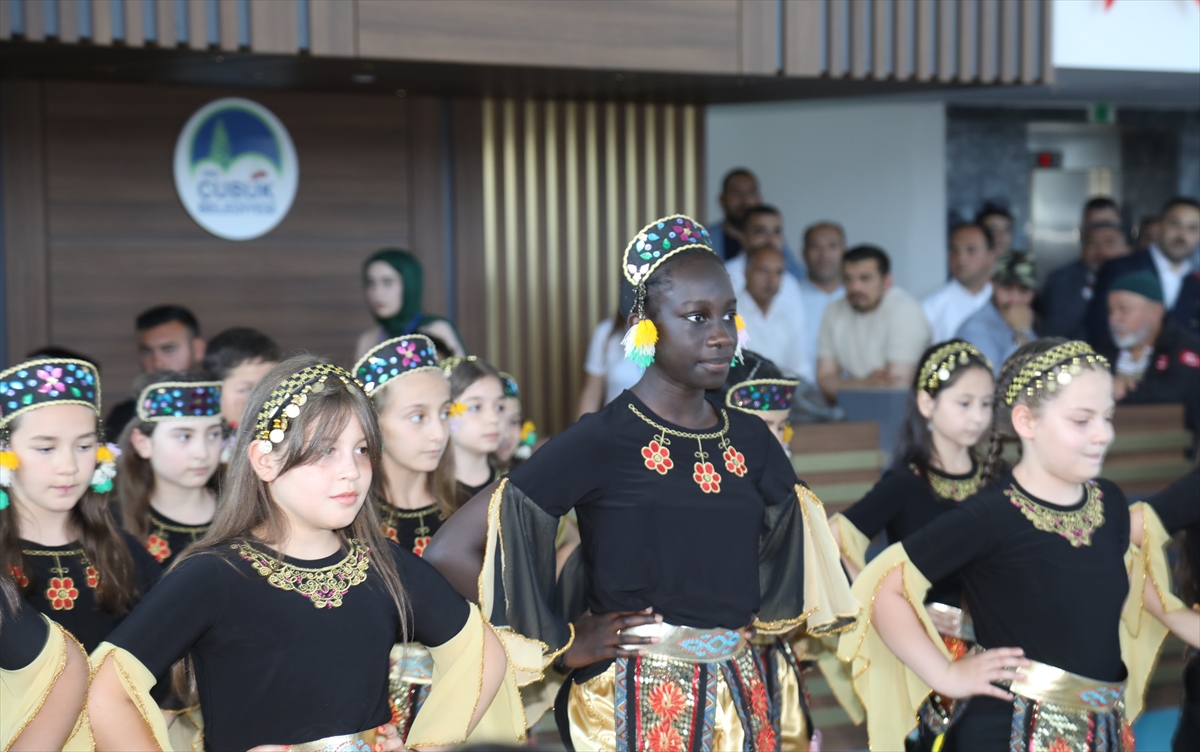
(1157, 360)
(1065, 297)
(875, 335)
(972, 256)
(239, 358)
(776, 330)
(1005, 323)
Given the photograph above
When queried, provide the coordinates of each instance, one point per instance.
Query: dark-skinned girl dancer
(694, 531)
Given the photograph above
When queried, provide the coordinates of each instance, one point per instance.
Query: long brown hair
(440, 483)
(99, 537)
(248, 511)
(1003, 432)
(135, 474)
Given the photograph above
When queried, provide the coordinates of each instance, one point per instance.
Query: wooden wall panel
(119, 241)
(665, 35)
(26, 301)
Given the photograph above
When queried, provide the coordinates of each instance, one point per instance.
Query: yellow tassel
(9, 461)
(457, 409)
(639, 343)
(104, 454)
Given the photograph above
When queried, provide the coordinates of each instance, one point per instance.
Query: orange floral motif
(658, 457)
(391, 533)
(1127, 740)
(757, 695)
(62, 593)
(706, 475)
(766, 738)
(957, 647)
(663, 738)
(1060, 745)
(158, 548)
(735, 462)
(93, 577)
(18, 576)
(667, 701)
(419, 544)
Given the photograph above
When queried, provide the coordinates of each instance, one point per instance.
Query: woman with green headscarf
(393, 282)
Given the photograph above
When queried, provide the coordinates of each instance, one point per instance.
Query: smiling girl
(170, 454)
(58, 541)
(290, 605)
(1040, 555)
(476, 421)
(693, 531)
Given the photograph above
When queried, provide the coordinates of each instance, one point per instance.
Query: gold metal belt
(689, 643)
(1046, 683)
(363, 741)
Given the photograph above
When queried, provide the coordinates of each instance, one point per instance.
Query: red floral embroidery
(706, 475)
(757, 695)
(419, 544)
(397, 718)
(1127, 740)
(62, 593)
(658, 457)
(766, 738)
(667, 701)
(158, 548)
(957, 647)
(18, 576)
(390, 533)
(663, 738)
(735, 462)
(93, 577)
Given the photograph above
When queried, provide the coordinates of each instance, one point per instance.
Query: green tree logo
(219, 150)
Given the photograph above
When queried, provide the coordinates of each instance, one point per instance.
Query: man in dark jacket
(1063, 303)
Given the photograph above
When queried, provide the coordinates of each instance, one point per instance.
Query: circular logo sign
(235, 169)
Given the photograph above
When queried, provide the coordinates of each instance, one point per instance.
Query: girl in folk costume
(170, 454)
(476, 417)
(948, 411)
(756, 386)
(517, 435)
(1041, 557)
(694, 531)
(58, 540)
(43, 676)
(416, 489)
(295, 542)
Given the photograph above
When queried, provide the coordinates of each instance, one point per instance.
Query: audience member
(740, 195)
(972, 256)
(824, 246)
(1169, 260)
(1067, 292)
(1149, 232)
(1006, 323)
(168, 339)
(999, 222)
(875, 335)
(1100, 209)
(776, 330)
(239, 358)
(54, 351)
(1156, 360)
(763, 226)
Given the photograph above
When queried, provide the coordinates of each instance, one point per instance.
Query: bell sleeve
(25, 689)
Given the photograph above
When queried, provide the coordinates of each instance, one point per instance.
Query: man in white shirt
(874, 336)
(824, 246)
(776, 331)
(972, 256)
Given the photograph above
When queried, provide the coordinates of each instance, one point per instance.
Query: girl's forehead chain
(286, 400)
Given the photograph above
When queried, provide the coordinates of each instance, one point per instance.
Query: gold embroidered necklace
(953, 489)
(1077, 526)
(324, 586)
(657, 456)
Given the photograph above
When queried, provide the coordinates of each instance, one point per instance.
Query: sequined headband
(179, 399)
(285, 402)
(759, 395)
(394, 358)
(1052, 369)
(511, 389)
(47, 381)
(939, 366)
(449, 364)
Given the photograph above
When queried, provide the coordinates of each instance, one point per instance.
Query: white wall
(877, 168)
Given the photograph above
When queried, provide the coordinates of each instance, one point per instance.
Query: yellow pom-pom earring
(8, 463)
(641, 338)
(743, 337)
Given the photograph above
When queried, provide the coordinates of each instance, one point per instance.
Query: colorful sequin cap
(659, 241)
(394, 358)
(47, 381)
(179, 399)
(757, 385)
(1054, 368)
(940, 365)
(285, 402)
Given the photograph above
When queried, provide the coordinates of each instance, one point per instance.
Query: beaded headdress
(42, 383)
(511, 389)
(1054, 368)
(394, 358)
(646, 252)
(940, 365)
(47, 381)
(757, 385)
(179, 399)
(286, 400)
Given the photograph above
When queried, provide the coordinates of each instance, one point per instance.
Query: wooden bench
(1147, 454)
(839, 461)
